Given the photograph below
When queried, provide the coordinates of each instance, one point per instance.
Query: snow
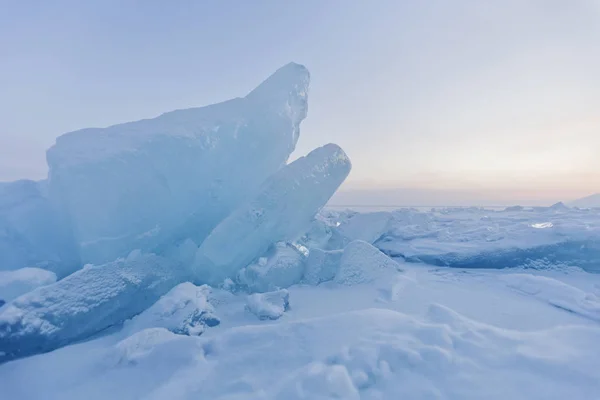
(151, 183)
(282, 210)
(485, 341)
(270, 305)
(15, 283)
(480, 238)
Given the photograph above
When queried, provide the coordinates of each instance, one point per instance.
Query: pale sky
(500, 98)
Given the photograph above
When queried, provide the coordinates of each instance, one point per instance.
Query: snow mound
(362, 263)
(185, 309)
(281, 267)
(270, 305)
(555, 293)
(385, 354)
(15, 283)
(283, 209)
(82, 304)
(155, 347)
(151, 183)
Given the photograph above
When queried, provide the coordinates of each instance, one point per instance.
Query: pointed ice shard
(282, 210)
(150, 183)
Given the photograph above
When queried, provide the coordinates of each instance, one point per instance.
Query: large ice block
(31, 232)
(154, 182)
(282, 210)
(84, 303)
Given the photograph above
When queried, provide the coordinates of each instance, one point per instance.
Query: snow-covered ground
(411, 330)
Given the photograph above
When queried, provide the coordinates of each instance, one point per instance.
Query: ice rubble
(480, 238)
(98, 297)
(193, 195)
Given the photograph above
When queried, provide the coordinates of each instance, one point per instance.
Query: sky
(460, 101)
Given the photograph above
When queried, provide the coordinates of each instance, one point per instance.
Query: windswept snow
(556, 293)
(340, 342)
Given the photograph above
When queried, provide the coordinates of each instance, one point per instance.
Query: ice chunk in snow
(321, 265)
(282, 210)
(183, 310)
(282, 267)
(15, 283)
(555, 293)
(84, 303)
(31, 233)
(270, 305)
(150, 183)
(363, 263)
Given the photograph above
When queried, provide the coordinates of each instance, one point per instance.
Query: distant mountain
(592, 201)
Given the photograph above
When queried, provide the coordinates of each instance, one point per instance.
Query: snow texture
(481, 238)
(151, 183)
(362, 263)
(82, 304)
(556, 293)
(270, 305)
(15, 283)
(282, 210)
